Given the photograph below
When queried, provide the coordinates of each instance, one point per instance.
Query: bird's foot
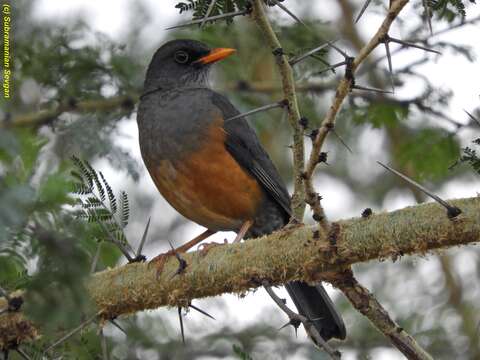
(159, 262)
(205, 248)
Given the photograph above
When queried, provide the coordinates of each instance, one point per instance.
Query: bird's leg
(161, 259)
(241, 233)
(243, 230)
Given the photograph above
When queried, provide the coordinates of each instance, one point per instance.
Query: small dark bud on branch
(322, 157)
(367, 213)
(303, 122)
(278, 52)
(313, 134)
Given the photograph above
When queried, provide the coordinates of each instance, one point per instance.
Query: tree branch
(44, 117)
(288, 84)
(296, 253)
(328, 123)
(364, 301)
(468, 324)
(345, 84)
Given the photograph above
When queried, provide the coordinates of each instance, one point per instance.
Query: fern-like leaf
(470, 156)
(124, 209)
(111, 197)
(96, 180)
(86, 175)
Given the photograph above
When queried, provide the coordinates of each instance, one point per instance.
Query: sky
(111, 17)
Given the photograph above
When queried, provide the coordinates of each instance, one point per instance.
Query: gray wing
(243, 144)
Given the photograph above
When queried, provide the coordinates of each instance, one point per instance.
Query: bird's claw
(205, 248)
(159, 261)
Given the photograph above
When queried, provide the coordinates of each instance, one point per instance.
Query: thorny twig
(367, 304)
(452, 211)
(288, 84)
(23, 354)
(211, 18)
(307, 324)
(281, 103)
(139, 255)
(209, 11)
(46, 116)
(292, 15)
(71, 333)
(342, 91)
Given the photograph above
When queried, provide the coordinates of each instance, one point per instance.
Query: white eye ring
(181, 57)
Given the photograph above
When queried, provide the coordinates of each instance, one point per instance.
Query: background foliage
(47, 249)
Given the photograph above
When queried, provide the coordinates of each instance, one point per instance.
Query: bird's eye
(181, 57)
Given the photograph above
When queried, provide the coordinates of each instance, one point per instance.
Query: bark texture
(297, 253)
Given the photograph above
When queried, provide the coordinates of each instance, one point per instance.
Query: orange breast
(209, 187)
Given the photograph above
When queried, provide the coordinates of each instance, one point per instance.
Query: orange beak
(216, 55)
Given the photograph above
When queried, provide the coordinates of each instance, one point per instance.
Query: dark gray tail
(313, 302)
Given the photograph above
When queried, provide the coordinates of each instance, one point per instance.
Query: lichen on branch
(297, 253)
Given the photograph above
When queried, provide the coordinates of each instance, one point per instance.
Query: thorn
(389, 58)
(324, 62)
(118, 244)
(201, 311)
(182, 264)
(181, 323)
(341, 140)
(124, 252)
(294, 322)
(103, 342)
(144, 236)
(409, 44)
(212, 18)
(209, 10)
(365, 88)
(473, 118)
(452, 211)
(257, 110)
(284, 8)
(70, 333)
(344, 54)
(117, 325)
(332, 67)
(428, 15)
(364, 7)
(23, 354)
(299, 58)
(93, 267)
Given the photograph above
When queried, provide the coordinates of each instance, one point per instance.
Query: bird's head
(180, 63)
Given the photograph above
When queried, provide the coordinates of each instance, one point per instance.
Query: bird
(213, 171)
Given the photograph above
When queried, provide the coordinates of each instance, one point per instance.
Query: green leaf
(430, 152)
(13, 267)
(381, 114)
(241, 354)
(53, 193)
